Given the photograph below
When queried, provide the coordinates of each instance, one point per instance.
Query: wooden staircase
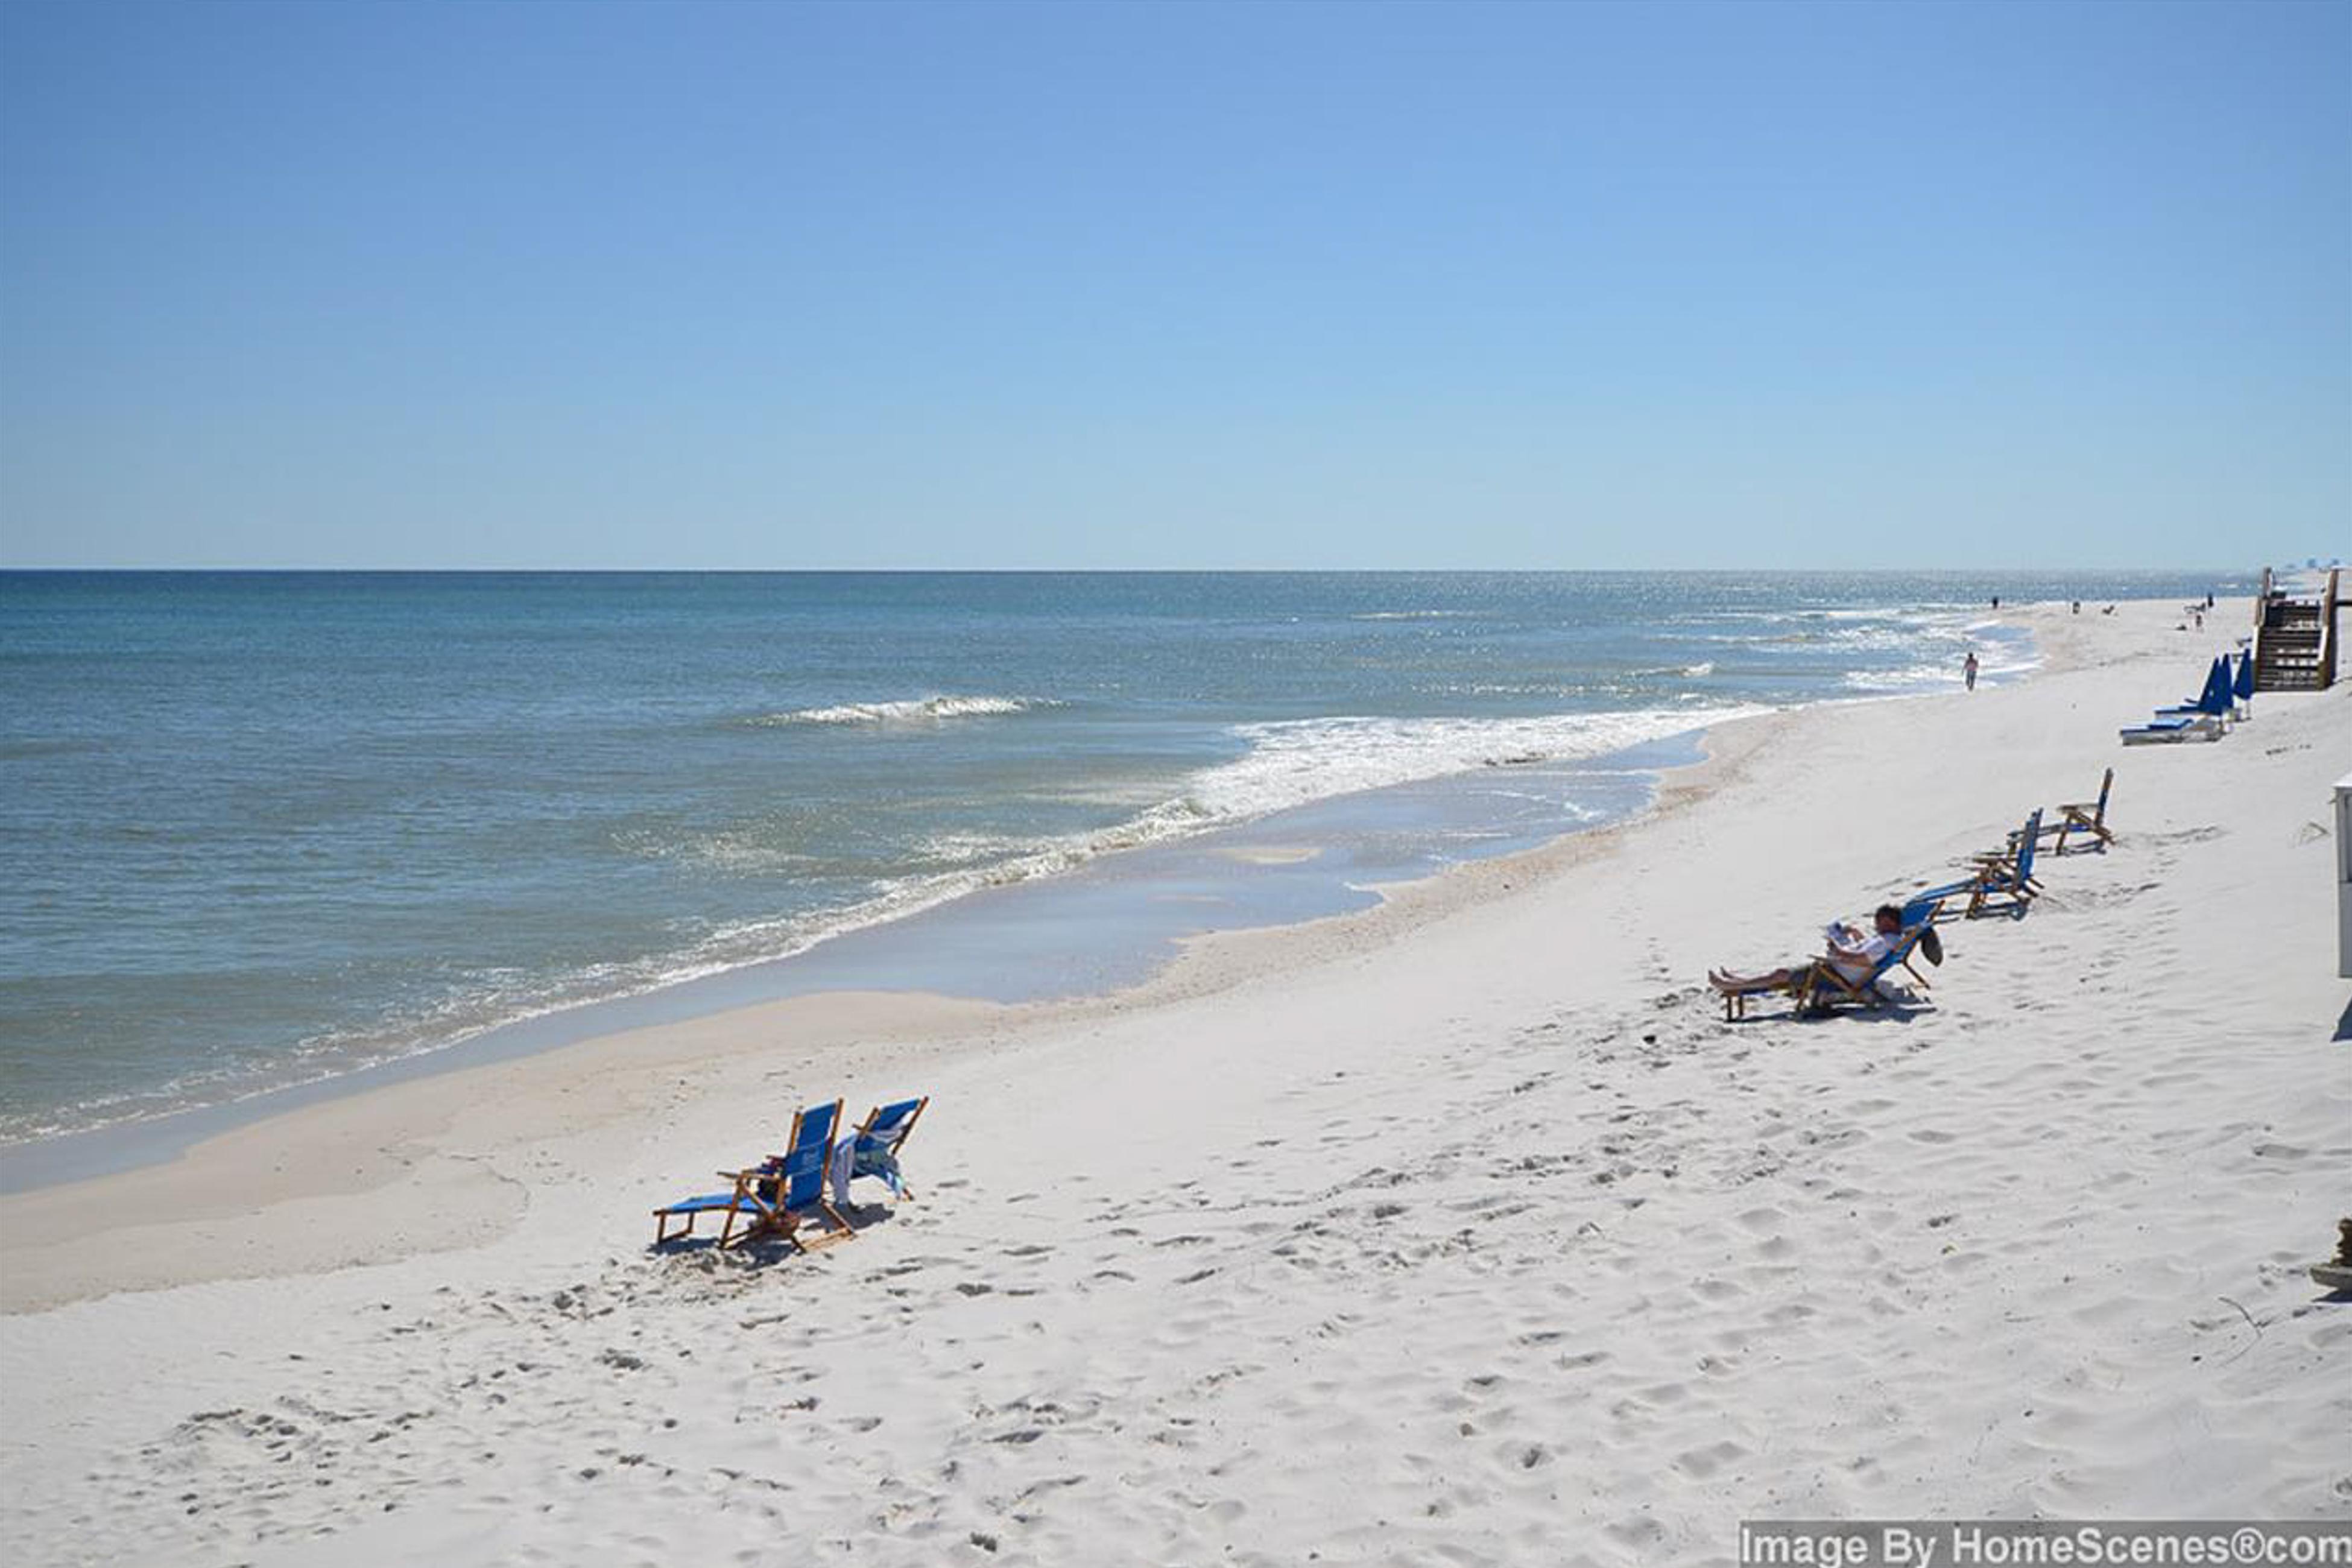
(2295, 639)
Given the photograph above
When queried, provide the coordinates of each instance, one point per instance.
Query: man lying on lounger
(1852, 953)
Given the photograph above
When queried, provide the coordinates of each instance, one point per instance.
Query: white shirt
(1865, 957)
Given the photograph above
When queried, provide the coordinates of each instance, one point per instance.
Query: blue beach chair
(2006, 875)
(777, 1196)
(2201, 728)
(874, 1152)
(2200, 721)
(1825, 986)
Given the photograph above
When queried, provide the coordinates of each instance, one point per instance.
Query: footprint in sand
(1701, 1463)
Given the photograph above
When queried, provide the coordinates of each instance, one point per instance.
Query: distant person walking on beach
(1969, 669)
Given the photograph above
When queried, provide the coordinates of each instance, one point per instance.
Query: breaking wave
(909, 710)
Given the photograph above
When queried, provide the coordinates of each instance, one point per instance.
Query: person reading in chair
(1852, 951)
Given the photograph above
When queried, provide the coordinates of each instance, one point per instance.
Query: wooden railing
(2328, 603)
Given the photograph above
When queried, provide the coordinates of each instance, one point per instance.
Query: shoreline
(842, 960)
(212, 1153)
(841, 966)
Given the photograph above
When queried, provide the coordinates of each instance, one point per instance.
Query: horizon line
(286, 571)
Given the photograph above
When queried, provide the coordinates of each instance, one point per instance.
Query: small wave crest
(1905, 677)
(908, 711)
(1297, 762)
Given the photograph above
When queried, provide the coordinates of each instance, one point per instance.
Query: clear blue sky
(1176, 285)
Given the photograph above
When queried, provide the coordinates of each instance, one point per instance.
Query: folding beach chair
(2204, 727)
(1825, 986)
(2088, 817)
(874, 1151)
(2006, 875)
(777, 1196)
(1822, 985)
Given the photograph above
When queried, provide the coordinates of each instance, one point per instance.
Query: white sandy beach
(1466, 1231)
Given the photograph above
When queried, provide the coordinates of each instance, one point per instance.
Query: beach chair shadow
(774, 1200)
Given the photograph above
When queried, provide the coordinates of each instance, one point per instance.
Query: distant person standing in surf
(1969, 669)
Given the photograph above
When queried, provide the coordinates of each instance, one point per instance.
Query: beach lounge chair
(2086, 817)
(1821, 985)
(2202, 720)
(873, 1149)
(2204, 727)
(777, 1196)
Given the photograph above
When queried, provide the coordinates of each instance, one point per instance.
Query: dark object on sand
(2337, 1272)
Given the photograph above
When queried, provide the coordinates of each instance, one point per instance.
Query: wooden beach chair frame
(2008, 872)
(2085, 817)
(804, 1165)
(1998, 873)
(744, 1200)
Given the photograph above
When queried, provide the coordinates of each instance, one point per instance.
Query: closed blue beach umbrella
(2216, 699)
(2245, 687)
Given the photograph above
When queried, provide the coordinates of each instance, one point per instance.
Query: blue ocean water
(260, 828)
